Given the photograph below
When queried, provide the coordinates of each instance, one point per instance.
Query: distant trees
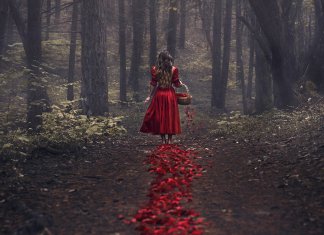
(94, 57)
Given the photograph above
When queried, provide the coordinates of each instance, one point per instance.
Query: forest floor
(254, 182)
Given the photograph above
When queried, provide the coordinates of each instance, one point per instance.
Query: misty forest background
(74, 75)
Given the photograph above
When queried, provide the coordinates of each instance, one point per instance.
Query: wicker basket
(184, 98)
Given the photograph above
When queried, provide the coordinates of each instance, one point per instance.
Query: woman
(162, 116)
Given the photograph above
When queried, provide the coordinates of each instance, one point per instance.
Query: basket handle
(186, 87)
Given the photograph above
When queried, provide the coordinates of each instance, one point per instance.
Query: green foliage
(62, 132)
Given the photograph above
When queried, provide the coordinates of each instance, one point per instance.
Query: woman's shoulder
(175, 69)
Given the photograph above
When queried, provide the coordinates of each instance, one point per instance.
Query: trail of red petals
(167, 212)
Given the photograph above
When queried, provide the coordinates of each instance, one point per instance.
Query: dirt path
(91, 193)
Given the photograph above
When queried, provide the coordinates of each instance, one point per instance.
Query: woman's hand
(147, 99)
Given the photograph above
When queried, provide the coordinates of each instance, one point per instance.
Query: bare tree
(216, 55)
(48, 18)
(153, 36)
(94, 57)
(276, 25)
(73, 38)
(239, 54)
(4, 9)
(37, 98)
(138, 32)
(122, 51)
(226, 52)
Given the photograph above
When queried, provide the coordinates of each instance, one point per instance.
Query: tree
(74, 28)
(172, 27)
(138, 32)
(182, 31)
(57, 12)
(239, 54)
(94, 57)
(153, 36)
(263, 83)
(37, 98)
(276, 25)
(216, 54)
(48, 18)
(315, 70)
(122, 51)
(4, 9)
(226, 54)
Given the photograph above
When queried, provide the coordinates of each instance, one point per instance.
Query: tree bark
(316, 67)
(172, 27)
(73, 38)
(57, 13)
(4, 8)
(239, 55)
(263, 83)
(275, 24)
(138, 33)
(19, 21)
(251, 67)
(226, 53)
(122, 51)
(94, 57)
(182, 32)
(216, 54)
(48, 18)
(37, 98)
(153, 36)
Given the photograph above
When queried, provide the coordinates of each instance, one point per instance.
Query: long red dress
(162, 115)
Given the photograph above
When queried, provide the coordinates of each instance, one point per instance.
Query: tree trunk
(251, 67)
(94, 57)
(182, 32)
(122, 51)
(48, 18)
(57, 13)
(74, 28)
(37, 98)
(4, 8)
(172, 27)
(138, 33)
(263, 83)
(226, 53)
(153, 36)
(239, 55)
(19, 21)
(216, 54)
(276, 27)
(204, 8)
(316, 66)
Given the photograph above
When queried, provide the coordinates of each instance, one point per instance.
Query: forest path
(92, 193)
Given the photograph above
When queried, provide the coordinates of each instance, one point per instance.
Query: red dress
(162, 115)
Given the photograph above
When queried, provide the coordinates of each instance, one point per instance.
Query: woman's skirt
(162, 115)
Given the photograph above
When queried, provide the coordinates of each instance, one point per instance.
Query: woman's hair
(164, 61)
